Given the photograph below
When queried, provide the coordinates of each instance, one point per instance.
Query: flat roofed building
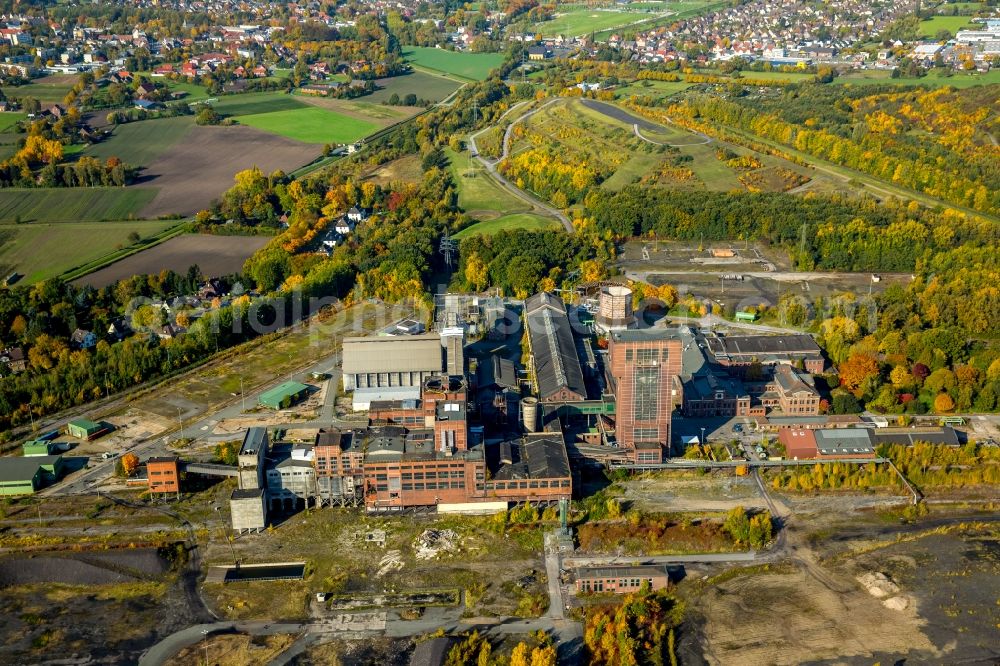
(251, 458)
(402, 469)
(248, 511)
(621, 580)
(291, 483)
(910, 436)
(740, 350)
(390, 368)
(339, 464)
(555, 365)
(643, 365)
(803, 444)
(164, 474)
(38, 447)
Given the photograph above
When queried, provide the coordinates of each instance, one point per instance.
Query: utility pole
(448, 248)
(243, 396)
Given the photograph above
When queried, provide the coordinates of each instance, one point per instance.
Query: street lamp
(204, 632)
(180, 425)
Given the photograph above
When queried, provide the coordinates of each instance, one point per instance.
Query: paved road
(553, 563)
(566, 632)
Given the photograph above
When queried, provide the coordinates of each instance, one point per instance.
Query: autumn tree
(943, 403)
(476, 272)
(856, 369)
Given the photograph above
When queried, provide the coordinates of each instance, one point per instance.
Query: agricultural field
(311, 125)
(214, 255)
(474, 66)
(672, 11)
(9, 118)
(47, 90)
(526, 221)
(361, 109)
(199, 169)
(251, 103)
(42, 250)
(141, 143)
(425, 85)
(72, 204)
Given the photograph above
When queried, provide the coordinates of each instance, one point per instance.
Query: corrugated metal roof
(410, 353)
(253, 441)
(556, 363)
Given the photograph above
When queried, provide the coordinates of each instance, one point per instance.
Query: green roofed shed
(84, 429)
(283, 396)
(37, 447)
(23, 476)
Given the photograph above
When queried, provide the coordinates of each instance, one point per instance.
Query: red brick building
(643, 365)
(164, 474)
(621, 580)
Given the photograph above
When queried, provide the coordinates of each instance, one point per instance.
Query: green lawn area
(574, 21)
(676, 11)
(656, 89)
(507, 222)
(424, 85)
(933, 25)
(957, 80)
(141, 143)
(474, 66)
(712, 171)
(477, 191)
(9, 118)
(253, 103)
(795, 77)
(40, 251)
(311, 125)
(72, 204)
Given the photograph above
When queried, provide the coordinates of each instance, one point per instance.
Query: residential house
(81, 339)
(13, 359)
